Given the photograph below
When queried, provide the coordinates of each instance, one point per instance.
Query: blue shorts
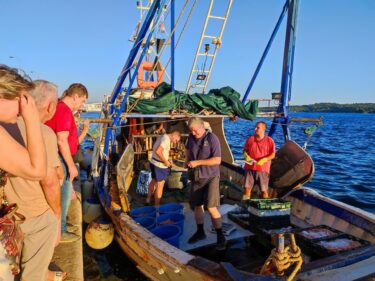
(159, 174)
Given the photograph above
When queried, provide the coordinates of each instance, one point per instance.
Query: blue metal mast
(287, 72)
(153, 14)
(265, 52)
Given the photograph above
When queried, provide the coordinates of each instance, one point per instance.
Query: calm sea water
(344, 155)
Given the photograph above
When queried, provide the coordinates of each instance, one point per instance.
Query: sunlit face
(260, 130)
(9, 110)
(197, 130)
(175, 138)
(79, 102)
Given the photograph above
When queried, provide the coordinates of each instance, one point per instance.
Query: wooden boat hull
(159, 260)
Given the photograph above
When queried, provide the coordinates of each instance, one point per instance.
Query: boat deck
(190, 228)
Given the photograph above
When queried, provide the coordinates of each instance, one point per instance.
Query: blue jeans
(66, 193)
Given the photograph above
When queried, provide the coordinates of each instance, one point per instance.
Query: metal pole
(126, 70)
(265, 52)
(286, 77)
(172, 43)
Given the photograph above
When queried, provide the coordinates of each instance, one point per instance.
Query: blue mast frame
(153, 14)
(266, 50)
(287, 72)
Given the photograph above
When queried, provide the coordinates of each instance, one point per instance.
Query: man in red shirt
(63, 124)
(258, 152)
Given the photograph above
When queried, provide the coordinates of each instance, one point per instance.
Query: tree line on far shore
(331, 107)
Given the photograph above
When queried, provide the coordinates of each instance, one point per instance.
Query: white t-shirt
(165, 142)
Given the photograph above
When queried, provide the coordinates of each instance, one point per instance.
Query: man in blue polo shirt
(203, 157)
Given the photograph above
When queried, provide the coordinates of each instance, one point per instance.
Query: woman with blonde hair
(29, 162)
(15, 159)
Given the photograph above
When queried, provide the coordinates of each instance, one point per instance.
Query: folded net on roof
(224, 101)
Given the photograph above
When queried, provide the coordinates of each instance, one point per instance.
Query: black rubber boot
(198, 235)
(221, 243)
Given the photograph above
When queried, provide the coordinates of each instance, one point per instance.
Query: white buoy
(87, 189)
(99, 234)
(91, 210)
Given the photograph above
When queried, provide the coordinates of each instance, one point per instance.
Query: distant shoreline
(331, 108)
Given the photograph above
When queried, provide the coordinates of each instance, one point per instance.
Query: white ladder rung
(209, 36)
(204, 54)
(199, 86)
(217, 18)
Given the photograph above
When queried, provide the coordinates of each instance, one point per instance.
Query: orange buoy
(148, 66)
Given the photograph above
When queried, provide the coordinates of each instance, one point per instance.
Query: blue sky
(87, 41)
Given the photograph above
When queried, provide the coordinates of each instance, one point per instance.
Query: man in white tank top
(160, 164)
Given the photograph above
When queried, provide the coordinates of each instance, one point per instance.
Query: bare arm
(213, 161)
(271, 156)
(63, 145)
(51, 188)
(159, 153)
(29, 163)
(16, 160)
(84, 131)
(60, 174)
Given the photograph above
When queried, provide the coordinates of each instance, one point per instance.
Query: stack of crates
(268, 213)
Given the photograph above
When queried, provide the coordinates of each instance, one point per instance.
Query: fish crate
(266, 236)
(268, 222)
(315, 233)
(269, 204)
(333, 245)
(240, 217)
(268, 213)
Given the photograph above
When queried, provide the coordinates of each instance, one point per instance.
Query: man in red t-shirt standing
(63, 124)
(258, 152)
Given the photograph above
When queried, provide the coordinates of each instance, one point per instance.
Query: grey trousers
(40, 236)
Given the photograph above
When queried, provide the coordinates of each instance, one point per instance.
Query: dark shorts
(159, 174)
(205, 192)
(257, 177)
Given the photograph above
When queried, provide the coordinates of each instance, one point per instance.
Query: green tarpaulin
(225, 101)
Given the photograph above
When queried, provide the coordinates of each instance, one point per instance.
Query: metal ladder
(202, 75)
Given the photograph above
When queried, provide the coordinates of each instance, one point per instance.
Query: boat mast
(140, 49)
(287, 73)
(281, 116)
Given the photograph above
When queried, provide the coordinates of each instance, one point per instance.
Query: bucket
(177, 179)
(147, 222)
(87, 189)
(91, 210)
(171, 208)
(172, 219)
(169, 233)
(144, 180)
(147, 211)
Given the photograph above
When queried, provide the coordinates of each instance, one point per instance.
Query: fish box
(316, 233)
(323, 241)
(269, 204)
(240, 216)
(268, 213)
(338, 244)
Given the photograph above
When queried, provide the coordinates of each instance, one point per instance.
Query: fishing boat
(122, 150)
